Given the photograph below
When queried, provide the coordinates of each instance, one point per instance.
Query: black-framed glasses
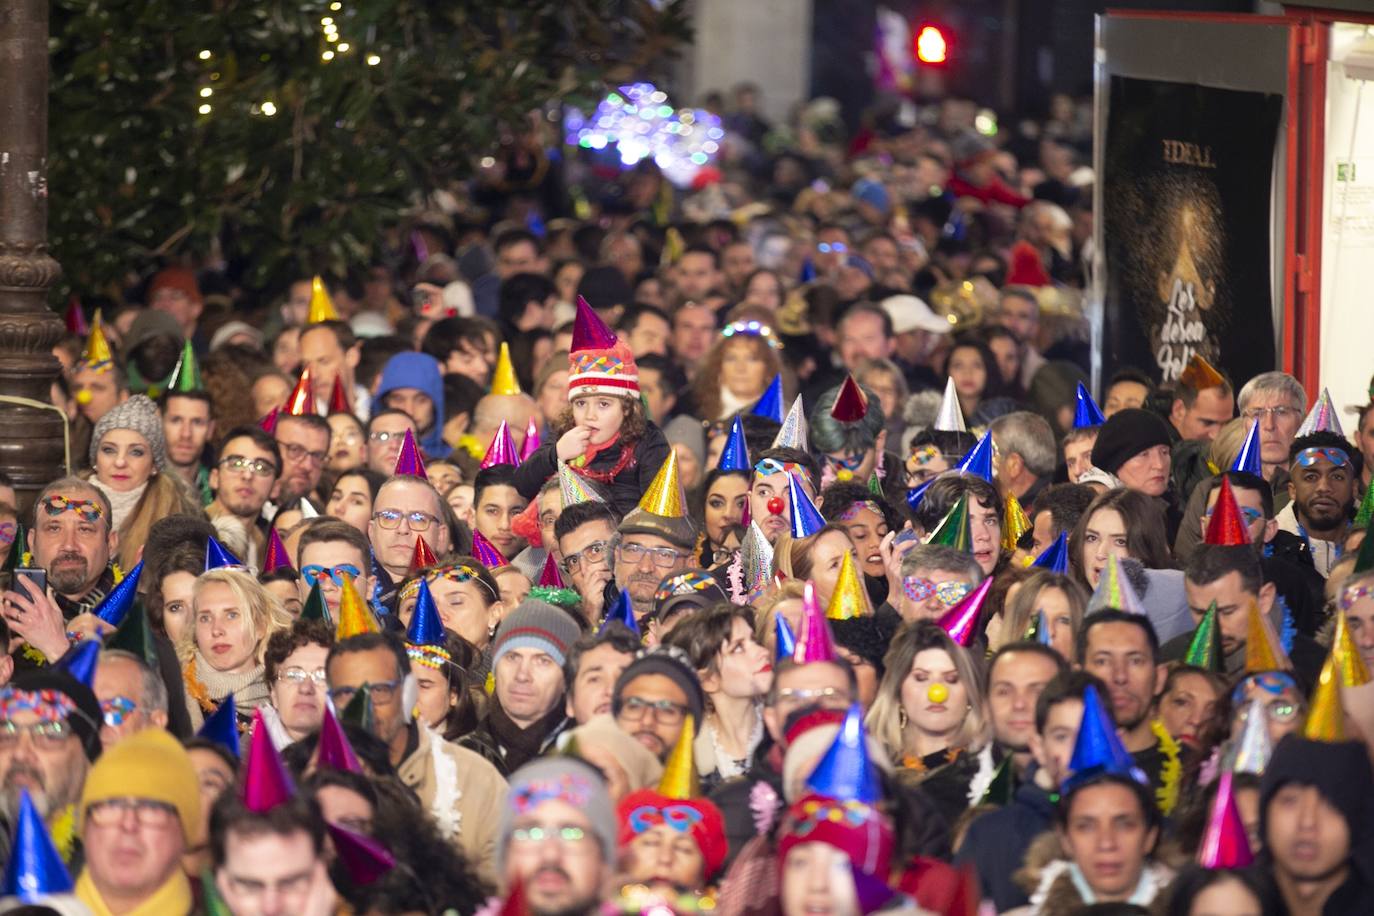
(300, 453)
(666, 712)
(381, 692)
(390, 519)
(258, 467)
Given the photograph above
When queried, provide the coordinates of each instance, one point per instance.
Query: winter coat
(623, 491)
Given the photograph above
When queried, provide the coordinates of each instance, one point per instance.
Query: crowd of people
(752, 548)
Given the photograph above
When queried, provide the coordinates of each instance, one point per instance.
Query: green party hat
(1003, 785)
(185, 378)
(1366, 511)
(953, 530)
(359, 710)
(315, 608)
(1205, 649)
(875, 486)
(17, 549)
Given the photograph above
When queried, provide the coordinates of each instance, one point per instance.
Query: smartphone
(906, 534)
(36, 575)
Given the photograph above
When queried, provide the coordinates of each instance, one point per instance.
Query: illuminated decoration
(638, 123)
(931, 46)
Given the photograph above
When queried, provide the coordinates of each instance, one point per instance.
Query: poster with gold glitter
(1186, 189)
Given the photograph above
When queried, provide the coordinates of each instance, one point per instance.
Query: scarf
(173, 898)
(121, 504)
(249, 688)
(521, 745)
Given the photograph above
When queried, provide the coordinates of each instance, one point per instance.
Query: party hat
(307, 510)
(315, 607)
(574, 489)
(75, 318)
(532, 440)
(1365, 513)
(80, 661)
(265, 783)
(1042, 631)
(875, 485)
(1205, 649)
(961, 621)
(1098, 749)
(422, 556)
(1226, 528)
(334, 750)
(1199, 374)
(1321, 418)
(321, 306)
(793, 432)
(222, 726)
(756, 559)
(1248, 458)
(1224, 843)
(503, 379)
(1364, 560)
(268, 423)
(364, 859)
(1002, 788)
(845, 772)
(950, 419)
(1086, 413)
(1326, 716)
(664, 497)
(354, 616)
(622, 612)
(849, 599)
(1055, 557)
(978, 461)
(680, 780)
(217, 557)
(1263, 651)
(1252, 751)
(486, 553)
(359, 711)
(550, 576)
(185, 377)
(426, 627)
(97, 354)
(15, 558)
(276, 557)
(301, 401)
(501, 449)
(1114, 590)
(589, 331)
(35, 867)
(338, 398)
(136, 636)
(851, 404)
(114, 607)
(1014, 523)
(917, 493)
(815, 643)
(408, 460)
(770, 405)
(953, 530)
(735, 455)
(1349, 662)
(786, 641)
(806, 518)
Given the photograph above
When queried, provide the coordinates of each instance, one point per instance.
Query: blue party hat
(735, 455)
(1086, 413)
(80, 661)
(806, 518)
(623, 611)
(808, 271)
(1248, 458)
(1042, 634)
(770, 405)
(1055, 557)
(845, 773)
(35, 869)
(1098, 749)
(426, 626)
(216, 557)
(978, 461)
(785, 638)
(916, 494)
(115, 606)
(222, 726)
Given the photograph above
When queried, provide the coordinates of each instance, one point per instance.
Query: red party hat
(269, 422)
(550, 577)
(851, 404)
(422, 556)
(277, 557)
(589, 331)
(363, 858)
(338, 401)
(1026, 267)
(302, 399)
(76, 318)
(408, 462)
(1226, 527)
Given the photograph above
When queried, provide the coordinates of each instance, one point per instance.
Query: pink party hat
(814, 640)
(277, 557)
(408, 462)
(501, 449)
(550, 577)
(363, 858)
(1224, 844)
(486, 553)
(589, 331)
(961, 621)
(268, 423)
(266, 783)
(532, 441)
(334, 749)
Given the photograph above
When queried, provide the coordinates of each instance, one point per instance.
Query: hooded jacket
(420, 371)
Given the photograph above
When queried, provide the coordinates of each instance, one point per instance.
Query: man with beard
(187, 424)
(557, 837)
(249, 466)
(405, 507)
(49, 735)
(653, 697)
(1323, 470)
(649, 549)
(72, 539)
(303, 443)
(585, 533)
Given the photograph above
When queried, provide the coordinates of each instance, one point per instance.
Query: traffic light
(931, 46)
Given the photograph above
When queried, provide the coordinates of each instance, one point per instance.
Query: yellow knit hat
(151, 765)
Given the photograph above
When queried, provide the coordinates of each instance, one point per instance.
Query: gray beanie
(538, 625)
(140, 415)
(564, 779)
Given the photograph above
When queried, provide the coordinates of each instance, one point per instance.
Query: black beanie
(1339, 770)
(673, 664)
(85, 720)
(1126, 434)
(604, 288)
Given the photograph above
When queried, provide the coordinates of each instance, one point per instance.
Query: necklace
(729, 767)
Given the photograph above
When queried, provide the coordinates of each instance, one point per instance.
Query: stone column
(31, 450)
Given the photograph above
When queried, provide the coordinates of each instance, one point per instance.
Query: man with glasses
(1277, 401)
(405, 508)
(242, 480)
(386, 430)
(649, 549)
(293, 667)
(304, 445)
(653, 697)
(1324, 470)
(139, 812)
(934, 579)
(431, 767)
(131, 694)
(329, 551)
(273, 863)
(557, 837)
(585, 533)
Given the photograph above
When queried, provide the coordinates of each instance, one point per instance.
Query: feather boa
(987, 770)
(446, 791)
(1166, 796)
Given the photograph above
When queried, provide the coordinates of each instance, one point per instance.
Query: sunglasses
(88, 510)
(316, 573)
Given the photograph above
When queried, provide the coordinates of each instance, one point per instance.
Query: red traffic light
(931, 47)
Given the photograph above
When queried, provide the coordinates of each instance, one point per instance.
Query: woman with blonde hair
(736, 371)
(1059, 598)
(224, 645)
(817, 558)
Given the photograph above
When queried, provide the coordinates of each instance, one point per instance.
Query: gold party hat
(1263, 652)
(503, 379)
(97, 353)
(1354, 672)
(850, 599)
(354, 616)
(321, 306)
(1014, 523)
(664, 497)
(680, 779)
(1326, 718)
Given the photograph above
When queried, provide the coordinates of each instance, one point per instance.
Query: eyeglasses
(564, 836)
(829, 697)
(1278, 413)
(832, 247)
(381, 692)
(298, 676)
(666, 712)
(662, 557)
(390, 519)
(593, 553)
(257, 466)
(300, 453)
(919, 589)
(1251, 515)
(1308, 457)
(381, 436)
(51, 735)
(116, 709)
(111, 811)
(317, 573)
(88, 510)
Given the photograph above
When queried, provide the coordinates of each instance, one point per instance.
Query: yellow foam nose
(84, 397)
(937, 693)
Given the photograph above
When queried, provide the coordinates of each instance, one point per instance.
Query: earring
(901, 719)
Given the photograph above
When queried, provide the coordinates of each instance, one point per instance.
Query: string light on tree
(638, 123)
(373, 60)
(269, 109)
(205, 55)
(204, 109)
